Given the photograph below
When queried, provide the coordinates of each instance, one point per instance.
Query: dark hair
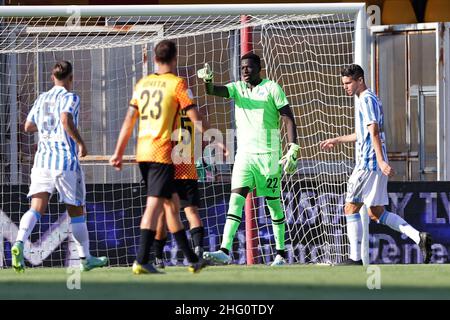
(62, 70)
(165, 51)
(250, 55)
(354, 71)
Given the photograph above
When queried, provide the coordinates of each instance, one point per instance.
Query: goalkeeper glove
(289, 160)
(205, 73)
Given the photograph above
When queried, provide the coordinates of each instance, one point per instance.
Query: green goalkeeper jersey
(256, 115)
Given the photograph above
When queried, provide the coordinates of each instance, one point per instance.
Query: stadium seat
(398, 12)
(437, 11)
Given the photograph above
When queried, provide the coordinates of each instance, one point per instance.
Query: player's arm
(202, 124)
(30, 123)
(289, 122)
(186, 102)
(216, 90)
(377, 146)
(30, 126)
(124, 136)
(72, 131)
(330, 143)
(289, 160)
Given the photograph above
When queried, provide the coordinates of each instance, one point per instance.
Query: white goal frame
(358, 9)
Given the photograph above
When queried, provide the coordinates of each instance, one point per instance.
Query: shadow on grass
(211, 291)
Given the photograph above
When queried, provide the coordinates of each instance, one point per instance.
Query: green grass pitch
(233, 282)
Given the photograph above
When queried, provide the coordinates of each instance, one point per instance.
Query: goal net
(302, 50)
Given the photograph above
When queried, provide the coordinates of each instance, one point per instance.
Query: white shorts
(368, 187)
(69, 184)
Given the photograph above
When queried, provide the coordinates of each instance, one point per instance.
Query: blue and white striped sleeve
(370, 110)
(32, 114)
(71, 103)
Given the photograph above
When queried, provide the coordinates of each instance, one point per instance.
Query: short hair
(250, 55)
(165, 51)
(354, 71)
(62, 70)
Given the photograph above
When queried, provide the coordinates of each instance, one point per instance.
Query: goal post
(185, 10)
(302, 46)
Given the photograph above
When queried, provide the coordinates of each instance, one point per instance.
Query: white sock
(397, 223)
(27, 223)
(81, 236)
(354, 232)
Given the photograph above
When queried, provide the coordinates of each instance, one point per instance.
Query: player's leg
(41, 187)
(376, 198)
(148, 226)
(175, 226)
(242, 181)
(158, 179)
(397, 223)
(380, 215)
(38, 207)
(72, 191)
(267, 173)
(80, 234)
(232, 222)
(190, 201)
(160, 241)
(196, 229)
(352, 207)
(279, 229)
(354, 232)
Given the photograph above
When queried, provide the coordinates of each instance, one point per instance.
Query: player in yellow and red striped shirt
(157, 99)
(186, 184)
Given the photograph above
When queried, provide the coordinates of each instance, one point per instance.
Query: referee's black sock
(145, 243)
(197, 235)
(159, 247)
(182, 243)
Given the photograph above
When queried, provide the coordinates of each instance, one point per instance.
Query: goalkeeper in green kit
(259, 103)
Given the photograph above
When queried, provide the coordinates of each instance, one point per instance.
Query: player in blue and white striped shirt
(368, 110)
(56, 166)
(57, 150)
(368, 182)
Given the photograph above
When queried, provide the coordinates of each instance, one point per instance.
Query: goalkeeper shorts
(257, 170)
(368, 187)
